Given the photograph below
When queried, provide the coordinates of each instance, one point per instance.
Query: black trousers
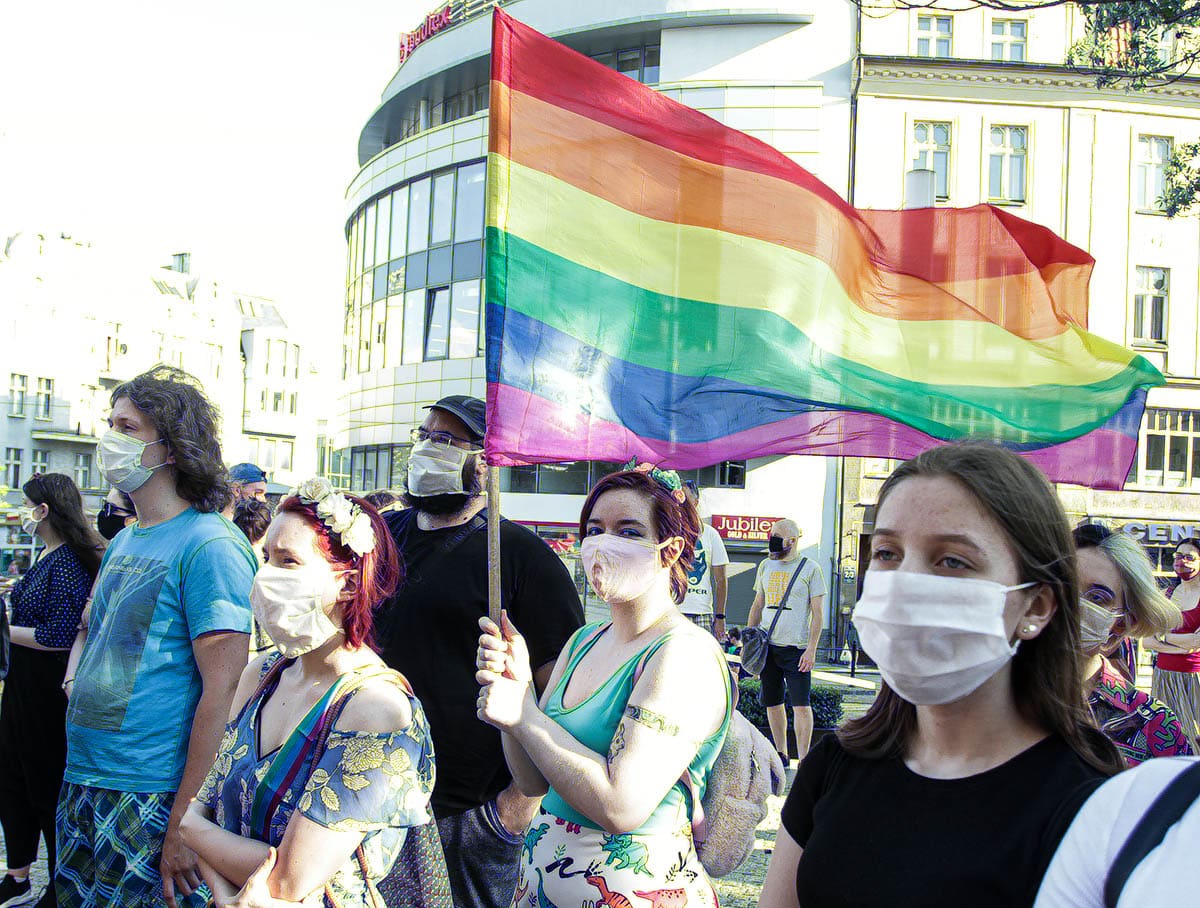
(33, 752)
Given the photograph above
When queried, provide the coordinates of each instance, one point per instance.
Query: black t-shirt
(429, 631)
(875, 833)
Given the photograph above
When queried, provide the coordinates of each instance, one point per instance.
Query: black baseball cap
(471, 410)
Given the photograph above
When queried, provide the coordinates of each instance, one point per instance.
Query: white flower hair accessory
(344, 518)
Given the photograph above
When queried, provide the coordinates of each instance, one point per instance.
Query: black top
(429, 631)
(876, 833)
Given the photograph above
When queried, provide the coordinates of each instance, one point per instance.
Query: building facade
(984, 99)
(79, 320)
(859, 95)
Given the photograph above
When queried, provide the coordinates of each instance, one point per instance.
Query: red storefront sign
(433, 24)
(741, 528)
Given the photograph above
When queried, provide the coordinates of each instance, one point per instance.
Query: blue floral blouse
(378, 784)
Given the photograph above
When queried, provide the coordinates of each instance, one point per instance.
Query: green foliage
(826, 700)
(1182, 179)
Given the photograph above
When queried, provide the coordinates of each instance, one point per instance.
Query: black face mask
(775, 545)
(109, 525)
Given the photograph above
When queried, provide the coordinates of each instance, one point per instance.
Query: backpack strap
(1167, 809)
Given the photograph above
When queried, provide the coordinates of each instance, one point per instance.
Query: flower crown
(344, 518)
(668, 479)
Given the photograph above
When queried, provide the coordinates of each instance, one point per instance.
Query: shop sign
(739, 528)
(1159, 533)
(434, 23)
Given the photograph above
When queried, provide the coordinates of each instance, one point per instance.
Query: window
(383, 224)
(12, 467)
(295, 360)
(437, 323)
(40, 461)
(442, 218)
(418, 216)
(934, 36)
(1006, 163)
(464, 319)
(45, 393)
(277, 402)
(368, 239)
(1150, 305)
(281, 350)
(1153, 152)
(640, 63)
(931, 151)
(414, 326)
(399, 222)
(18, 386)
(292, 403)
(1008, 40)
(83, 471)
(286, 450)
(1169, 450)
(469, 202)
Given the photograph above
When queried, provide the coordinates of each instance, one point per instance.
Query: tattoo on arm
(618, 743)
(652, 720)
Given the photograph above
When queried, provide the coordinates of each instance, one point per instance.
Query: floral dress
(375, 783)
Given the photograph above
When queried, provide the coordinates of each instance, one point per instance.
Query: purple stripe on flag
(524, 428)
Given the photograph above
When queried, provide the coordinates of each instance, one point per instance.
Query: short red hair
(373, 577)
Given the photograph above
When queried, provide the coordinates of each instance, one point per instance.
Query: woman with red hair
(327, 757)
(636, 711)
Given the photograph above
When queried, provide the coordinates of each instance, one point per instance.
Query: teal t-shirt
(137, 684)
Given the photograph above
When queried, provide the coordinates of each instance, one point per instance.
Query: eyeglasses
(1184, 556)
(443, 439)
(108, 509)
(1088, 535)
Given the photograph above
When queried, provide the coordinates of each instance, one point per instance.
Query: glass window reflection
(464, 319)
(414, 325)
(399, 221)
(437, 334)
(383, 221)
(418, 216)
(368, 238)
(443, 208)
(469, 203)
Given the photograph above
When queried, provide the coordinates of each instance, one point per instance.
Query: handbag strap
(787, 592)
(1167, 809)
(401, 526)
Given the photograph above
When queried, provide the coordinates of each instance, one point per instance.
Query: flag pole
(493, 540)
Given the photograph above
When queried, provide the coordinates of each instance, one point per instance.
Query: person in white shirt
(1078, 873)
(792, 588)
(707, 582)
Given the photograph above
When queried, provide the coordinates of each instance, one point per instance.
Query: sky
(228, 129)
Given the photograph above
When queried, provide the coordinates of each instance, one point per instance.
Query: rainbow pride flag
(663, 286)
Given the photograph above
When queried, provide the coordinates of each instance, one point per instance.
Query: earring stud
(1030, 628)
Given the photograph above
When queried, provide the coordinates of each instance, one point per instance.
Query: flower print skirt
(564, 865)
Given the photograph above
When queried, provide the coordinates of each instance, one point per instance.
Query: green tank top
(593, 722)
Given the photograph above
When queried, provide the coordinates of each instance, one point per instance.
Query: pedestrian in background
(154, 669)
(252, 516)
(790, 601)
(1121, 599)
(46, 607)
(979, 749)
(115, 514)
(708, 585)
(633, 709)
(327, 755)
(1177, 663)
(428, 631)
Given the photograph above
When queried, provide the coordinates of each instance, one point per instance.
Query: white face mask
(1095, 625)
(435, 469)
(290, 605)
(120, 459)
(29, 523)
(935, 639)
(620, 569)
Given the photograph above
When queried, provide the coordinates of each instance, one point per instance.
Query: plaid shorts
(109, 847)
(704, 621)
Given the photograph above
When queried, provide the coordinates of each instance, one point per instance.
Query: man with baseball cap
(246, 480)
(430, 632)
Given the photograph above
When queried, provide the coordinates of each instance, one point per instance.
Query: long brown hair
(61, 496)
(1047, 682)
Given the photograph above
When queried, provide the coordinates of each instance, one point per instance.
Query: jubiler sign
(433, 24)
(743, 529)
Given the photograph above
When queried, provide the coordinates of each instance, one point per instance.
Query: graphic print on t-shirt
(777, 584)
(129, 591)
(699, 568)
